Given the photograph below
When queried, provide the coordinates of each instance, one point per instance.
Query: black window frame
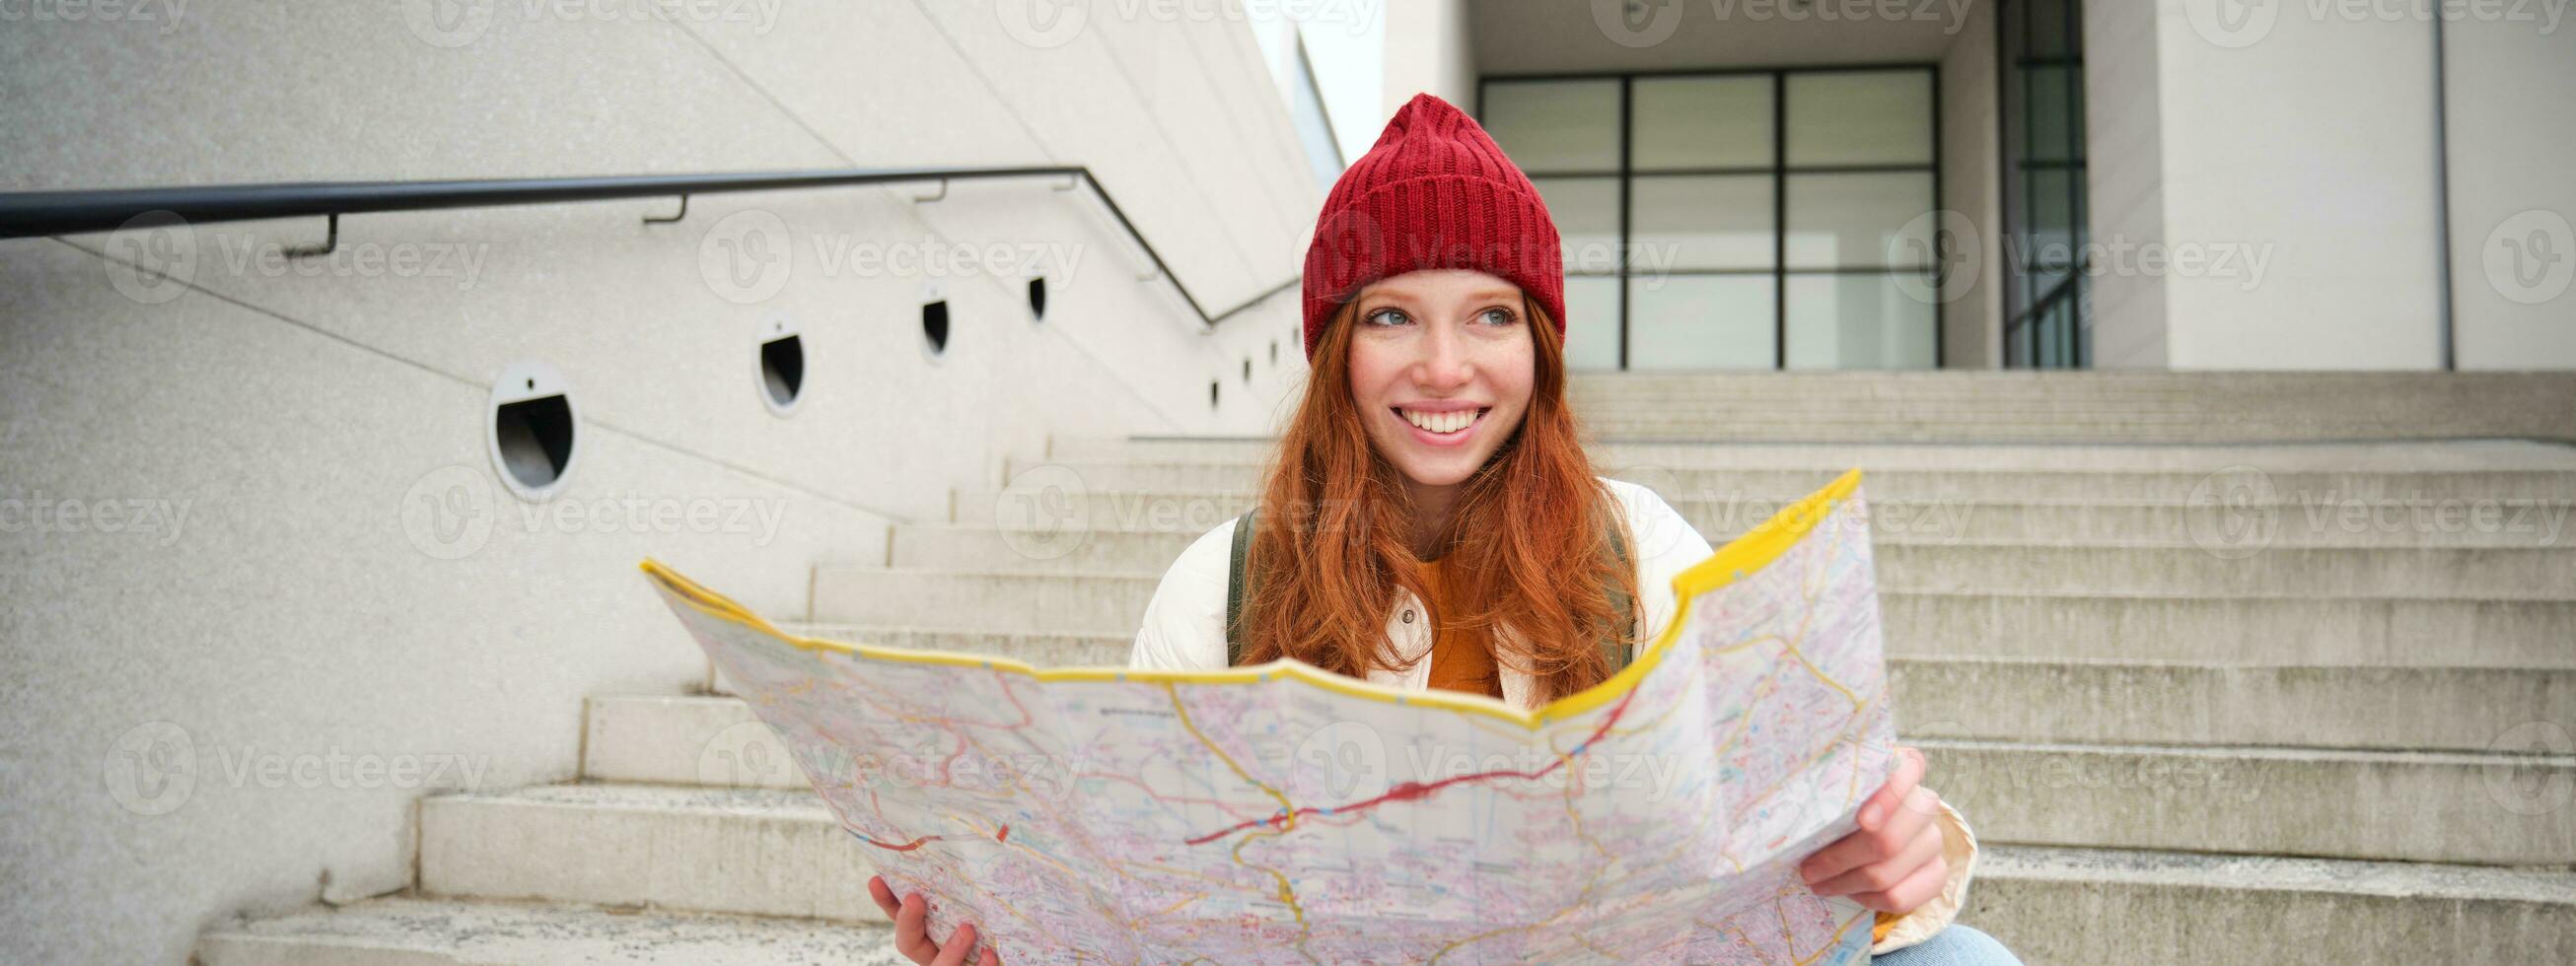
(2059, 320)
(1780, 171)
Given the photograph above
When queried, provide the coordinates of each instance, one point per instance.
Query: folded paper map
(1280, 813)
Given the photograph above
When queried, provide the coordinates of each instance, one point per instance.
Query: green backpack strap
(1616, 648)
(1235, 578)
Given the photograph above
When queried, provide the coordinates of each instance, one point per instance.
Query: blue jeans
(1954, 945)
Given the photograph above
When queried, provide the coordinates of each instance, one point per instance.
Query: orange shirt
(1461, 659)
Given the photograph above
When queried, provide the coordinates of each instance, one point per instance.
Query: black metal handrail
(2032, 318)
(41, 213)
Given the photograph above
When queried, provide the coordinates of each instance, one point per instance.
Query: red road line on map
(880, 810)
(1410, 791)
(1025, 719)
(905, 847)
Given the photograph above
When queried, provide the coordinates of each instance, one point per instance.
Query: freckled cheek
(1513, 377)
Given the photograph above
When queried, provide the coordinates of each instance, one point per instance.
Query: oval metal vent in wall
(782, 365)
(533, 429)
(934, 319)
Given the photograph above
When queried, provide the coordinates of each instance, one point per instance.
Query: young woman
(1426, 507)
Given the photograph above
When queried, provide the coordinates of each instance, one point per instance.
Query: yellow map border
(1750, 552)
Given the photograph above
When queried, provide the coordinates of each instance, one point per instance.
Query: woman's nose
(1444, 362)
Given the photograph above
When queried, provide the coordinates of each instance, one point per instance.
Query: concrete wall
(1429, 50)
(233, 708)
(2124, 143)
(1972, 326)
(2292, 153)
(2512, 126)
(2314, 143)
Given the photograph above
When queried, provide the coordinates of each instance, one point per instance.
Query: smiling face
(1442, 362)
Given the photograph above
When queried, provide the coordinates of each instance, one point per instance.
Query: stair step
(2236, 528)
(2459, 632)
(1715, 422)
(2066, 905)
(2140, 407)
(672, 739)
(1038, 648)
(2130, 407)
(408, 931)
(1247, 455)
(2212, 628)
(1908, 563)
(2307, 706)
(1088, 604)
(748, 851)
(2331, 498)
(2049, 904)
(2413, 806)
(706, 740)
(2424, 708)
(2492, 809)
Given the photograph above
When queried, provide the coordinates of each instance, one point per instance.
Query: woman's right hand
(912, 930)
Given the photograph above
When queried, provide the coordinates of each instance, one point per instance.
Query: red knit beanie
(1434, 192)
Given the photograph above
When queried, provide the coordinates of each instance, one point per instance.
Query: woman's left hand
(1893, 864)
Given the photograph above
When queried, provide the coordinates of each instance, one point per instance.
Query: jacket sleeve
(1959, 849)
(1184, 626)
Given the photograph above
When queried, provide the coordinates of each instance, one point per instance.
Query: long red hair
(1526, 544)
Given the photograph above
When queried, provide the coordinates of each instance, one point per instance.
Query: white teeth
(1443, 423)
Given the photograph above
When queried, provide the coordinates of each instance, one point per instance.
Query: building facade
(2184, 184)
(375, 487)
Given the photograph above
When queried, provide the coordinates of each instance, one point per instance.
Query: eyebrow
(1495, 293)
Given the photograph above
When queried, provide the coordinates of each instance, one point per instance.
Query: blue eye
(1496, 316)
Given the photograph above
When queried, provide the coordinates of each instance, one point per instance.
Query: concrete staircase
(2247, 693)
